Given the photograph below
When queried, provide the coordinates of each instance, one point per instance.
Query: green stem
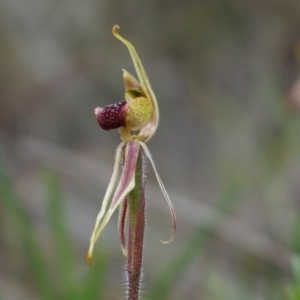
(136, 228)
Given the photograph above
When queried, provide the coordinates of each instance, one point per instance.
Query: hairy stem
(136, 227)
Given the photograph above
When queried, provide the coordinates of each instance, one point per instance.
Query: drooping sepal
(115, 195)
(164, 191)
(123, 211)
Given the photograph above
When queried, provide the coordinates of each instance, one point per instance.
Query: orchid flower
(137, 119)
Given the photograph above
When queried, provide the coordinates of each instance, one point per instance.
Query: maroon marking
(111, 116)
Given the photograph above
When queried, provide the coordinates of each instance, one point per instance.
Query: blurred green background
(226, 74)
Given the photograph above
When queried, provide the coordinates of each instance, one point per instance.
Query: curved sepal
(164, 191)
(125, 185)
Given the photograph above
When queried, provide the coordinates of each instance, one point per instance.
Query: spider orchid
(136, 119)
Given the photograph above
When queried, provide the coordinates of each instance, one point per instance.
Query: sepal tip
(89, 259)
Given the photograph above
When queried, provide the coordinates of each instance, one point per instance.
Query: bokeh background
(226, 75)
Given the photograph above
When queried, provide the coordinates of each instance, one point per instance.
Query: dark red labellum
(111, 116)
